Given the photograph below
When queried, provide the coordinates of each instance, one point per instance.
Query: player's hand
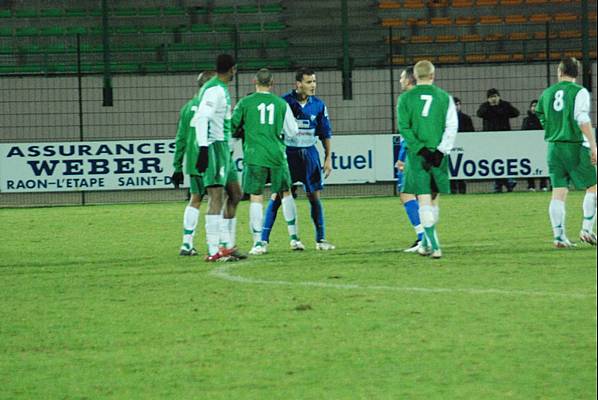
(202, 159)
(177, 179)
(427, 155)
(327, 167)
(437, 157)
(400, 165)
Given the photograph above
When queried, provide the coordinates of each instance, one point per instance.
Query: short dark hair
(303, 71)
(569, 66)
(224, 62)
(456, 100)
(410, 74)
(264, 77)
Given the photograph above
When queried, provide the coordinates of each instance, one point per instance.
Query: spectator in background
(532, 123)
(465, 125)
(495, 114)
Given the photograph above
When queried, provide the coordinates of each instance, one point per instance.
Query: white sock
(226, 239)
(289, 210)
(436, 213)
(213, 232)
(589, 211)
(556, 210)
(190, 218)
(232, 231)
(256, 220)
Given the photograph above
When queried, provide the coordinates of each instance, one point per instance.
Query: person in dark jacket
(495, 114)
(465, 125)
(532, 123)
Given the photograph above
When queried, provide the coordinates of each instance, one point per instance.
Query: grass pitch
(95, 303)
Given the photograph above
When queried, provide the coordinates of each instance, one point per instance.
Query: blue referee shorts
(305, 167)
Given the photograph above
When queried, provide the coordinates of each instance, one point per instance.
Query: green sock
(430, 235)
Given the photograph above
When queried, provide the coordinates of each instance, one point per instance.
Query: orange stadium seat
(449, 59)
(540, 18)
(414, 4)
(398, 60)
(417, 21)
(475, 58)
(518, 36)
(441, 21)
(577, 54)
(492, 37)
(421, 39)
(565, 17)
(569, 34)
(462, 3)
(392, 22)
(510, 2)
(515, 19)
(517, 57)
(499, 57)
(446, 39)
(465, 21)
(486, 2)
(534, 2)
(438, 4)
(471, 37)
(389, 4)
(541, 35)
(422, 57)
(490, 20)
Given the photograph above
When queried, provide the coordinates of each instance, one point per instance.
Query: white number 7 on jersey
(428, 102)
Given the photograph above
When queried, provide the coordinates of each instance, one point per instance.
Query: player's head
(457, 102)
(264, 79)
(305, 82)
(569, 68)
(226, 67)
(532, 106)
(203, 77)
(407, 79)
(493, 96)
(424, 71)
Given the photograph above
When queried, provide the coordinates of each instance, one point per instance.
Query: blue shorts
(305, 167)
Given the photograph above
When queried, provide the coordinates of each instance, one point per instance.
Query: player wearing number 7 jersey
(564, 111)
(266, 121)
(428, 122)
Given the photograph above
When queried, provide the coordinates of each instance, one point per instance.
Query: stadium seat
(576, 53)
(481, 3)
(271, 8)
(540, 18)
(223, 10)
(5, 31)
(173, 11)
(441, 21)
(438, 4)
(535, 2)
(248, 9)
(399, 60)
(254, 27)
(515, 19)
(5, 13)
(518, 36)
(498, 57)
(446, 39)
(421, 39)
(26, 31)
(26, 13)
(449, 59)
(124, 12)
(518, 57)
(493, 37)
(424, 57)
(565, 17)
(75, 12)
(74, 30)
(475, 58)
(389, 5)
(490, 20)
(274, 26)
(51, 12)
(541, 35)
(414, 4)
(392, 22)
(417, 22)
(149, 12)
(152, 29)
(510, 2)
(569, 34)
(471, 37)
(465, 20)
(462, 3)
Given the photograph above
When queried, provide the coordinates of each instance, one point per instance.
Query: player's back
(426, 107)
(556, 109)
(263, 119)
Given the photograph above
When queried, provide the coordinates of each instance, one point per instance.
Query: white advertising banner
(147, 164)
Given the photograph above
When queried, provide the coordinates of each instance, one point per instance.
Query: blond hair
(423, 70)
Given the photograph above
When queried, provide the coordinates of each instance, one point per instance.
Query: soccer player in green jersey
(266, 120)
(185, 148)
(428, 122)
(564, 111)
(212, 125)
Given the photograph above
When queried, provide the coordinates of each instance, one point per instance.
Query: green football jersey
(555, 110)
(185, 141)
(422, 116)
(262, 117)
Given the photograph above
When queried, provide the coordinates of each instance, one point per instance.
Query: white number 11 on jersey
(262, 108)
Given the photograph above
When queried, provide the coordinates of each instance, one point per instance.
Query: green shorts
(219, 164)
(233, 174)
(256, 176)
(421, 179)
(196, 185)
(570, 163)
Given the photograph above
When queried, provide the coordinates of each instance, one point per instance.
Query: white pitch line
(222, 272)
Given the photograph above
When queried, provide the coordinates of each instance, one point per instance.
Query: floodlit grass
(96, 303)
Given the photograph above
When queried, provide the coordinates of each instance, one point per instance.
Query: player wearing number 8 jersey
(563, 110)
(266, 120)
(428, 122)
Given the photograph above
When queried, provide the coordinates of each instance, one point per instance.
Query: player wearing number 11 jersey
(428, 122)
(266, 121)
(564, 111)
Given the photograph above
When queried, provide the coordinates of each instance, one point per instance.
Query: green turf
(95, 303)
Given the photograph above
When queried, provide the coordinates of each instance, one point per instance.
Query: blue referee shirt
(312, 119)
